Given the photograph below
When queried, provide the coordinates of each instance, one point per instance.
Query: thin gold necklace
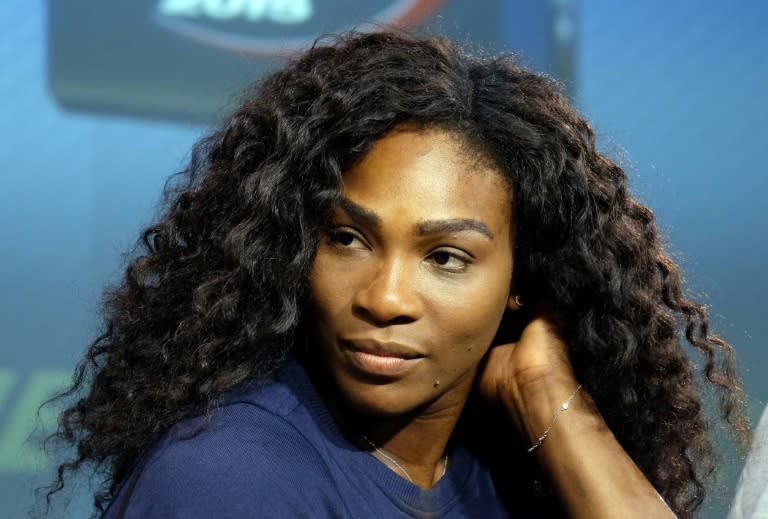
(392, 460)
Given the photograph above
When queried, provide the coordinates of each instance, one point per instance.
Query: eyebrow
(452, 225)
(369, 218)
(359, 213)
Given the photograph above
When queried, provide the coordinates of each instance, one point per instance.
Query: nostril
(381, 319)
(401, 319)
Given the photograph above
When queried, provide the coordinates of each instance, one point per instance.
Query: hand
(538, 362)
(531, 379)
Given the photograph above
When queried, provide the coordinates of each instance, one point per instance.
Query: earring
(518, 300)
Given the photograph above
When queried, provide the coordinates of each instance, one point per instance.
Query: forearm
(591, 472)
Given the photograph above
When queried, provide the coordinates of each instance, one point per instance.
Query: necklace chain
(394, 462)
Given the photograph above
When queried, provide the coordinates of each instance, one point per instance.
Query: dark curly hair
(215, 293)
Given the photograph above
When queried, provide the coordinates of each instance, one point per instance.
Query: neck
(418, 441)
(419, 446)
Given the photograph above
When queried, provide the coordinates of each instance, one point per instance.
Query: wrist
(533, 402)
(563, 408)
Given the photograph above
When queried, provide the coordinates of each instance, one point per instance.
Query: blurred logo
(268, 27)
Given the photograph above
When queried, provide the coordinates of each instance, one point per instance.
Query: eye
(343, 238)
(450, 261)
(346, 239)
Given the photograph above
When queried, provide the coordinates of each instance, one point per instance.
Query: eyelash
(465, 260)
(335, 234)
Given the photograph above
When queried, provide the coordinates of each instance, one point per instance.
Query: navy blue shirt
(275, 451)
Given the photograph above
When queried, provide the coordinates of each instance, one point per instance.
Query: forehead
(429, 174)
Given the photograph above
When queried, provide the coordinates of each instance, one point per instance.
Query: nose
(389, 296)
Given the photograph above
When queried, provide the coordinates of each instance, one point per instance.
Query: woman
(400, 281)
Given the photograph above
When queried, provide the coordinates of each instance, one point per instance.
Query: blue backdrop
(676, 90)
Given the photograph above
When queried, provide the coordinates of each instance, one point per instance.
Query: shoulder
(239, 437)
(248, 460)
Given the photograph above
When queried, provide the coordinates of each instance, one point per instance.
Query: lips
(383, 349)
(380, 358)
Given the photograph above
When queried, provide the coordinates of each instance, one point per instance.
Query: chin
(379, 400)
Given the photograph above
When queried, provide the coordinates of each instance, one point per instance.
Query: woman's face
(410, 283)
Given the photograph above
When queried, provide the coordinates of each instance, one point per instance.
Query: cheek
(328, 283)
(469, 321)
(332, 288)
(325, 302)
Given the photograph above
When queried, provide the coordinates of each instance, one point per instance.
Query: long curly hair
(215, 291)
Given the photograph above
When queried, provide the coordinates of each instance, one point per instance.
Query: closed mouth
(382, 349)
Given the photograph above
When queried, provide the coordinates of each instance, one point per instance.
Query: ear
(515, 302)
